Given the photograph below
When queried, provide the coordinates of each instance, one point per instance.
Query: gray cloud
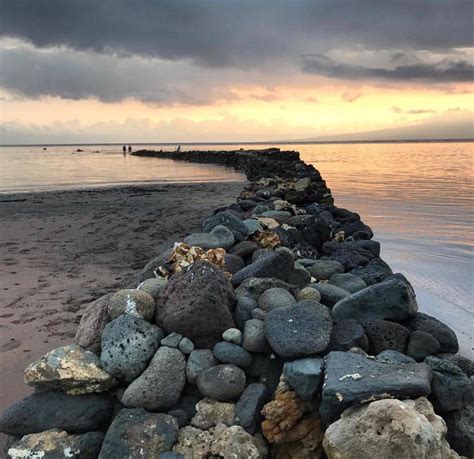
(235, 33)
(444, 71)
(416, 111)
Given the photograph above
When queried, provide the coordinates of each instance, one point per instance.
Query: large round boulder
(134, 302)
(222, 382)
(197, 303)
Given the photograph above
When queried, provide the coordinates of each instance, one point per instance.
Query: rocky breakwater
(277, 331)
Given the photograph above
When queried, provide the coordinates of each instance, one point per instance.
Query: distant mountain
(424, 131)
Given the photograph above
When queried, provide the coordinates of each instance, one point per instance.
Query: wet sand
(59, 250)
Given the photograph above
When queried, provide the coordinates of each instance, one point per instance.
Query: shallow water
(418, 198)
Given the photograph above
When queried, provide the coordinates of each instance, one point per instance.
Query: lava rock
(222, 382)
(186, 346)
(225, 237)
(299, 276)
(249, 406)
(133, 302)
(347, 281)
(421, 345)
(466, 365)
(159, 387)
(56, 444)
(56, 410)
(198, 361)
(388, 429)
(275, 298)
(92, 324)
(244, 249)
(254, 287)
(348, 255)
(277, 265)
(384, 335)
(309, 293)
(137, 433)
(347, 334)
(392, 299)
(172, 340)
(204, 240)
(252, 225)
(209, 413)
(254, 339)
(230, 220)
(299, 330)
(232, 353)
(233, 263)
(304, 376)
(374, 272)
(128, 343)
(330, 294)
(451, 388)
(351, 378)
(197, 304)
(444, 334)
(461, 430)
(324, 269)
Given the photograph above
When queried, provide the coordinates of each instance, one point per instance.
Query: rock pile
(278, 331)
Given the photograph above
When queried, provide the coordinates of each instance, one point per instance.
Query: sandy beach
(59, 250)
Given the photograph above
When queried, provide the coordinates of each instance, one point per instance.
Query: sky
(233, 70)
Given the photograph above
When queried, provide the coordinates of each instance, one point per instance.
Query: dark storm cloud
(229, 32)
(444, 71)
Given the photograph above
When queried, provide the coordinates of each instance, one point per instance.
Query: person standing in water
(124, 149)
(129, 148)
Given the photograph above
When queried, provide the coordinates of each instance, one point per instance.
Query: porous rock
(422, 345)
(134, 302)
(374, 272)
(70, 369)
(128, 343)
(92, 324)
(392, 299)
(232, 353)
(160, 385)
(153, 286)
(299, 330)
(309, 293)
(197, 304)
(56, 410)
(222, 382)
(228, 219)
(57, 444)
(324, 269)
(137, 433)
(387, 429)
(385, 335)
(461, 430)
(351, 379)
(209, 413)
(254, 287)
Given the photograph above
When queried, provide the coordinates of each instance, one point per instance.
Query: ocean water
(417, 197)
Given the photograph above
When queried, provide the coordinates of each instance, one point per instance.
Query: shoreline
(283, 291)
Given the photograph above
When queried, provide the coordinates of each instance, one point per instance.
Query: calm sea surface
(418, 198)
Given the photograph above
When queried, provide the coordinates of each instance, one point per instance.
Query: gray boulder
(233, 263)
(324, 269)
(304, 375)
(249, 406)
(136, 433)
(232, 353)
(451, 388)
(197, 303)
(254, 287)
(277, 265)
(133, 302)
(275, 298)
(159, 387)
(392, 356)
(204, 240)
(392, 299)
(444, 334)
(254, 339)
(222, 382)
(461, 430)
(330, 294)
(153, 286)
(351, 379)
(421, 345)
(466, 365)
(244, 249)
(252, 225)
(347, 334)
(128, 343)
(347, 281)
(56, 410)
(172, 340)
(374, 272)
(243, 310)
(225, 237)
(198, 361)
(299, 330)
(232, 335)
(230, 220)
